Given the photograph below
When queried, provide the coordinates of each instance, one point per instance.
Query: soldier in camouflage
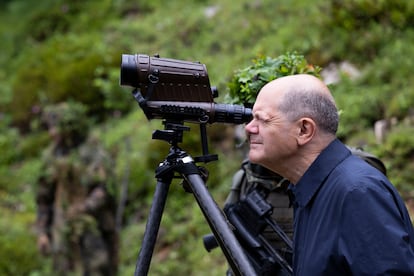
(75, 207)
(255, 177)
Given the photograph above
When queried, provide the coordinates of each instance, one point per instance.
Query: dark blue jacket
(349, 219)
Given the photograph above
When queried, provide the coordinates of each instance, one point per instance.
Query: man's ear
(307, 129)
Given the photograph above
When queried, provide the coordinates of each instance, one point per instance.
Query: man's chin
(254, 157)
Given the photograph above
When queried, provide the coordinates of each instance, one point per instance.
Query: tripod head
(173, 134)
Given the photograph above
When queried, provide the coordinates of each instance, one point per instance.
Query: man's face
(271, 135)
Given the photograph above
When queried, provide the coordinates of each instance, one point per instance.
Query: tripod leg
(229, 244)
(152, 227)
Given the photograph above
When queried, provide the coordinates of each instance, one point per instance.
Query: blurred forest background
(57, 50)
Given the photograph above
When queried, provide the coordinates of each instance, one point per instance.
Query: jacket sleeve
(376, 236)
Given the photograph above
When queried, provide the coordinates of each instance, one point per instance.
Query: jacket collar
(316, 174)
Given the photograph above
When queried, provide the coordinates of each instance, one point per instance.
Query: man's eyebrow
(256, 113)
(260, 115)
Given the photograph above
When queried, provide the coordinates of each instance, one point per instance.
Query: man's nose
(250, 127)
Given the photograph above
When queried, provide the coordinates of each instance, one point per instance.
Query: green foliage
(64, 68)
(17, 239)
(127, 141)
(8, 146)
(354, 14)
(114, 97)
(361, 28)
(67, 117)
(389, 77)
(246, 83)
(58, 17)
(17, 245)
(58, 51)
(33, 144)
(356, 104)
(398, 153)
(61, 59)
(382, 91)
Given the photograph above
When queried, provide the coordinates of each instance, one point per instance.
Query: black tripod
(178, 161)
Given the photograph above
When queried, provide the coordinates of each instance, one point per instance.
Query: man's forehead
(265, 103)
(270, 94)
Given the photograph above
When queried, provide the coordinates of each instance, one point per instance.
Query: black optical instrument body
(177, 90)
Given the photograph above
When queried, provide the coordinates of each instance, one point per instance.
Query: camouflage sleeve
(96, 199)
(101, 205)
(44, 201)
(237, 182)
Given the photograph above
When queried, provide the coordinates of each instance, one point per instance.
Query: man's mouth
(254, 142)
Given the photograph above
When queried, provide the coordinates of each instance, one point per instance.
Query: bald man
(348, 217)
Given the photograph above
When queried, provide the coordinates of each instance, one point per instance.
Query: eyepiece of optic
(129, 71)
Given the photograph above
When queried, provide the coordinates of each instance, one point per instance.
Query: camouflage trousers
(90, 255)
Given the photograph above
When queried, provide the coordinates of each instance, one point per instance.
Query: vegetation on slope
(71, 50)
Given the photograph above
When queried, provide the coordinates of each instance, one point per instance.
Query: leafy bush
(247, 82)
(66, 67)
(17, 245)
(389, 77)
(358, 29)
(359, 107)
(381, 91)
(398, 154)
(8, 146)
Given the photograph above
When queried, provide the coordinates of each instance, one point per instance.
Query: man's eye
(261, 119)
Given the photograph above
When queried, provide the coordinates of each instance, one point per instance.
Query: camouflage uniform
(252, 176)
(76, 212)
